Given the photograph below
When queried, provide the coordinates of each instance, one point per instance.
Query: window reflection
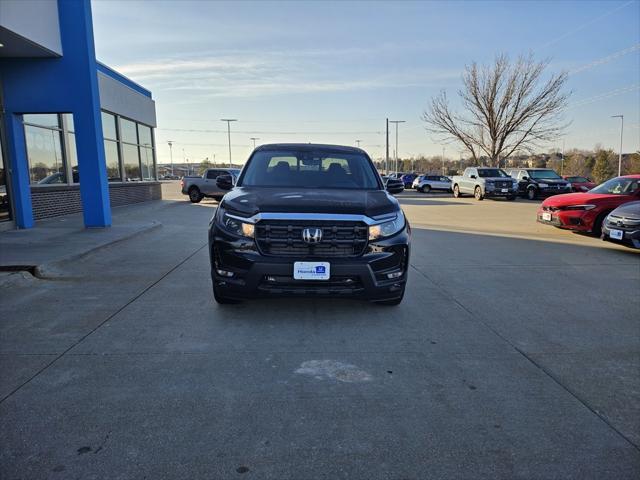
(131, 162)
(44, 151)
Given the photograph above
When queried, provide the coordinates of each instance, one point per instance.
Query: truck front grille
(284, 238)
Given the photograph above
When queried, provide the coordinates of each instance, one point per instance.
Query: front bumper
(576, 220)
(498, 192)
(631, 235)
(256, 275)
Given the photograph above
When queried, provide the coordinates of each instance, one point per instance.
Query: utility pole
(443, 172)
(386, 160)
(229, 120)
(254, 141)
(170, 142)
(396, 152)
(562, 159)
(621, 117)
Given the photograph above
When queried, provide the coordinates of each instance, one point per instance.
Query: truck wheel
(531, 193)
(456, 191)
(221, 299)
(394, 302)
(194, 195)
(426, 188)
(478, 194)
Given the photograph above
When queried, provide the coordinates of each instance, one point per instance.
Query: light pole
(443, 149)
(229, 120)
(358, 142)
(621, 117)
(253, 139)
(170, 142)
(396, 152)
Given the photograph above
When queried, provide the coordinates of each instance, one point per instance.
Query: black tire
(456, 191)
(394, 302)
(511, 198)
(532, 193)
(426, 188)
(596, 230)
(221, 299)
(477, 193)
(194, 195)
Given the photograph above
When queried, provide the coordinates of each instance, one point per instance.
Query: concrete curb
(51, 270)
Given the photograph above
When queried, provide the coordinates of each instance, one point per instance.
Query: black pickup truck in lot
(308, 220)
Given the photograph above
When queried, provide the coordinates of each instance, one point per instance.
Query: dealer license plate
(505, 190)
(546, 216)
(616, 234)
(311, 270)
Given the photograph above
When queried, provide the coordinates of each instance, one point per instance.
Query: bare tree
(507, 107)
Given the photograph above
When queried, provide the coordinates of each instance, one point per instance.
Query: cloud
(255, 74)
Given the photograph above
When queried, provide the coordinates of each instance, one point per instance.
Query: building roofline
(110, 72)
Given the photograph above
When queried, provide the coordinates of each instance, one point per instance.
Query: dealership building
(76, 135)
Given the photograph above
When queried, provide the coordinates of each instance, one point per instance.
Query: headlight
(568, 185)
(515, 184)
(489, 186)
(579, 207)
(387, 229)
(235, 225)
(543, 185)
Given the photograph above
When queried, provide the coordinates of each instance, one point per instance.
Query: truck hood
(248, 201)
(498, 179)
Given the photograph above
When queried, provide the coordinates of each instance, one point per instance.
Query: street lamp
(358, 142)
(253, 139)
(170, 142)
(396, 152)
(229, 120)
(621, 117)
(443, 149)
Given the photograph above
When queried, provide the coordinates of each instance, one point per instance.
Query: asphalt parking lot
(515, 354)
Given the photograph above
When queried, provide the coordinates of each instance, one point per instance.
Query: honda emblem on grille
(312, 235)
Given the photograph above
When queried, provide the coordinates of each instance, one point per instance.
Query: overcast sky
(332, 72)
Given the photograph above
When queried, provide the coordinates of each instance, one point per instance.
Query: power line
(250, 132)
(602, 96)
(606, 59)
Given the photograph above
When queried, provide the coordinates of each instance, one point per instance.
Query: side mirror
(525, 178)
(224, 182)
(473, 176)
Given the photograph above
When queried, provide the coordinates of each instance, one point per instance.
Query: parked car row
(610, 210)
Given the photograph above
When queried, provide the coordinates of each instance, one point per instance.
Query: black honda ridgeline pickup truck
(308, 220)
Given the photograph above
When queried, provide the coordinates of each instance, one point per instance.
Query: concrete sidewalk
(52, 241)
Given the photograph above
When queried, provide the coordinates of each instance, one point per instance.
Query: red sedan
(584, 212)
(579, 184)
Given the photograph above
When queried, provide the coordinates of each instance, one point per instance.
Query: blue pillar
(18, 165)
(76, 30)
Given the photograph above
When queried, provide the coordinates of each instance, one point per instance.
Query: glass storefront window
(128, 131)
(5, 208)
(131, 162)
(44, 151)
(49, 120)
(146, 157)
(112, 159)
(144, 134)
(73, 158)
(109, 126)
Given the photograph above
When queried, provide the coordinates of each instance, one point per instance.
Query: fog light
(394, 275)
(271, 279)
(224, 273)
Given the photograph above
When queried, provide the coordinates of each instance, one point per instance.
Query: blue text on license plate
(616, 234)
(311, 270)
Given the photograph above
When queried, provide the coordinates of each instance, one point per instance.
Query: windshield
(618, 186)
(491, 172)
(309, 169)
(543, 174)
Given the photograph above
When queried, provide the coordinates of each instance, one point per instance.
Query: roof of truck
(309, 146)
